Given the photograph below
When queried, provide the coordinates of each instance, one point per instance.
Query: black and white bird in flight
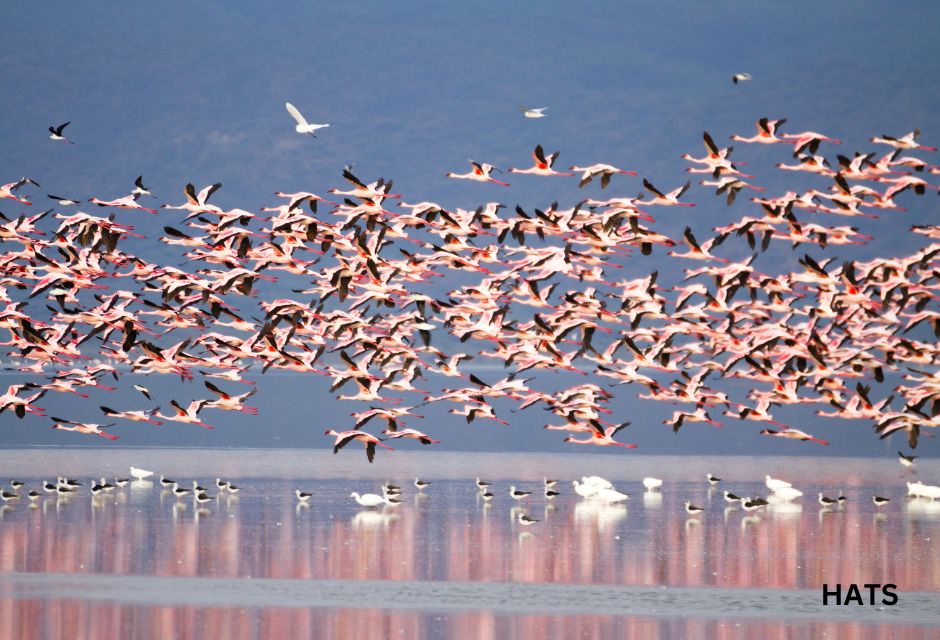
(57, 133)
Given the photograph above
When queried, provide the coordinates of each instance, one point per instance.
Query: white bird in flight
(740, 77)
(302, 125)
(533, 113)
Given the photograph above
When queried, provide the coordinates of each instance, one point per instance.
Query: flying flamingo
(127, 202)
(189, 415)
(795, 434)
(543, 164)
(766, 133)
(7, 190)
(480, 173)
(411, 433)
(666, 200)
(603, 437)
(908, 141)
(604, 171)
(84, 428)
(345, 437)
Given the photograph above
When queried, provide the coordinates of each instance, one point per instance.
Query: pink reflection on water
(44, 619)
(453, 538)
(450, 536)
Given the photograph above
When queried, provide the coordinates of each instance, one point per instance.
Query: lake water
(137, 562)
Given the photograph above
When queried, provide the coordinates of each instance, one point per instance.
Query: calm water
(139, 563)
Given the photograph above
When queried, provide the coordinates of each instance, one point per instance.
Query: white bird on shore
(609, 495)
(140, 474)
(652, 483)
(302, 125)
(921, 490)
(368, 499)
(590, 485)
(597, 481)
(529, 112)
(786, 494)
(775, 484)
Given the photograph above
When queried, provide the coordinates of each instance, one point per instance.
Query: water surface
(138, 562)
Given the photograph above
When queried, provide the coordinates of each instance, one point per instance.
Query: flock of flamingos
(394, 299)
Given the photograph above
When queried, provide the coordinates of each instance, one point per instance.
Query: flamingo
(795, 434)
(135, 416)
(807, 140)
(411, 433)
(670, 199)
(198, 203)
(8, 190)
(908, 141)
(126, 202)
(83, 428)
(604, 171)
(697, 251)
(190, 415)
(345, 437)
(603, 437)
(543, 164)
(480, 173)
(766, 133)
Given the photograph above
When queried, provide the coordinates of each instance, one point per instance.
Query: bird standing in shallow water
(368, 499)
(827, 502)
(525, 520)
(517, 494)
